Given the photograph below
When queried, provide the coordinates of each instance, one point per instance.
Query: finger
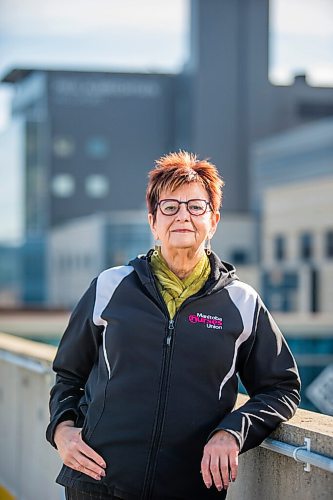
(87, 468)
(215, 471)
(90, 464)
(90, 453)
(233, 465)
(74, 464)
(224, 469)
(79, 458)
(205, 470)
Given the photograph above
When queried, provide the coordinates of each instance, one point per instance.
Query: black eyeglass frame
(208, 204)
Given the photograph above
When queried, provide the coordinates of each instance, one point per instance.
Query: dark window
(315, 110)
(280, 290)
(314, 290)
(306, 246)
(279, 248)
(329, 244)
(239, 256)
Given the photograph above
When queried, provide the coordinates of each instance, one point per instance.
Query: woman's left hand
(219, 463)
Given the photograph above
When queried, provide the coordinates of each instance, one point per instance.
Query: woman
(142, 407)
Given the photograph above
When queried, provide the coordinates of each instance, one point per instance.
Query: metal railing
(25, 362)
(300, 454)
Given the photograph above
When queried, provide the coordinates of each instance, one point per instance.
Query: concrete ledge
(24, 397)
(27, 348)
(267, 475)
(309, 421)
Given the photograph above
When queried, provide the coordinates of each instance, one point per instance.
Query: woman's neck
(182, 261)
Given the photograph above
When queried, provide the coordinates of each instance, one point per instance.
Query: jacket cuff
(65, 415)
(232, 432)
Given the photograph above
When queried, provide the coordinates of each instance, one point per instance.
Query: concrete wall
(28, 464)
(267, 475)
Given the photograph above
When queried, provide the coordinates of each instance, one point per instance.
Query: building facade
(79, 250)
(232, 103)
(297, 239)
(91, 137)
(293, 200)
(292, 181)
(90, 140)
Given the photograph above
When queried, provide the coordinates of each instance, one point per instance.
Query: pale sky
(150, 35)
(302, 40)
(138, 35)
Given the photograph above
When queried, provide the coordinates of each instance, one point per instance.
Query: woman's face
(183, 230)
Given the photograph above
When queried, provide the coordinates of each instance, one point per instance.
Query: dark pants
(72, 494)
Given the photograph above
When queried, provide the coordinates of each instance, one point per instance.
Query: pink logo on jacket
(208, 320)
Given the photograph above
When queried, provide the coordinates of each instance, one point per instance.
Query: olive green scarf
(174, 290)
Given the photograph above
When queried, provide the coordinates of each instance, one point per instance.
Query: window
(97, 148)
(329, 244)
(280, 290)
(239, 256)
(63, 185)
(279, 248)
(63, 147)
(306, 246)
(97, 186)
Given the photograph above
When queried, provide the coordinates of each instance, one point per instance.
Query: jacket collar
(222, 273)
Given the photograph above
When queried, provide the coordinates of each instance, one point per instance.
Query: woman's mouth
(182, 231)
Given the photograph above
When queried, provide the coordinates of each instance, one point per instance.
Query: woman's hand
(75, 453)
(219, 463)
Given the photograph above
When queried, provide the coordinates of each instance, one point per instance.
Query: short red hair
(176, 169)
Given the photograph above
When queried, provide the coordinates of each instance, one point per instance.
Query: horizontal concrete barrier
(28, 465)
(267, 474)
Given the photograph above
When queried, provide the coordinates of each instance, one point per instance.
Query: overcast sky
(150, 35)
(141, 35)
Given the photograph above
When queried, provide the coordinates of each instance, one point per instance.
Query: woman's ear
(151, 221)
(214, 222)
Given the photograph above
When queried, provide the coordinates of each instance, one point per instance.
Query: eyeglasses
(194, 207)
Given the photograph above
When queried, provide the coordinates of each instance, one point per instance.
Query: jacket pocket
(93, 412)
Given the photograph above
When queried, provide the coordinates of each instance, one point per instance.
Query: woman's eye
(170, 208)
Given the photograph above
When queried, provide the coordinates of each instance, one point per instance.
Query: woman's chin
(182, 246)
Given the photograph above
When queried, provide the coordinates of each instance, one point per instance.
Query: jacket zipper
(148, 482)
(162, 397)
(170, 332)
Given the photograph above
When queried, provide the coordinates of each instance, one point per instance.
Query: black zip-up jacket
(150, 391)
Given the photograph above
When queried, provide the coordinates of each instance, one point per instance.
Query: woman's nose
(183, 213)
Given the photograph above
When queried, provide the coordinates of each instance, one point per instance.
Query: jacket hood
(222, 273)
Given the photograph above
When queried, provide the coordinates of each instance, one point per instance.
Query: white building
(297, 243)
(80, 249)
(293, 197)
(236, 241)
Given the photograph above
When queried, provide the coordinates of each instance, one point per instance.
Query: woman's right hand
(75, 453)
